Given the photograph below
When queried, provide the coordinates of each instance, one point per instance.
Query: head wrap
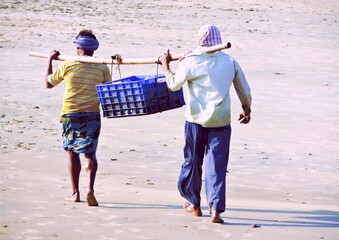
(86, 42)
(208, 35)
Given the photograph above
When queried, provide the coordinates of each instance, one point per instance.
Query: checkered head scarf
(208, 35)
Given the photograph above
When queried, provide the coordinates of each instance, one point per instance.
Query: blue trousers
(208, 147)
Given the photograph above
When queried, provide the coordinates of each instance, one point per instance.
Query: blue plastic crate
(137, 95)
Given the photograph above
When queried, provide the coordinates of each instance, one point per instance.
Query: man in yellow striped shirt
(80, 114)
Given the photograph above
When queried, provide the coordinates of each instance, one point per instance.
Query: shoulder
(97, 65)
(66, 64)
(224, 55)
(105, 67)
(199, 53)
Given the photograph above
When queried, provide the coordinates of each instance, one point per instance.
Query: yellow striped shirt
(80, 80)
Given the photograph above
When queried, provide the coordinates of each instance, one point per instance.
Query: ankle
(215, 213)
(90, 191)
(76, 193)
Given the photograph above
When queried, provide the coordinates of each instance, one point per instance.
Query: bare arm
(53, 55)
(165, 60)
(244, 93)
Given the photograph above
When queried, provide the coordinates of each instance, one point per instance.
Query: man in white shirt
(206, 79)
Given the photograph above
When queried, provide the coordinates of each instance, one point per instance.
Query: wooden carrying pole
(126, 60)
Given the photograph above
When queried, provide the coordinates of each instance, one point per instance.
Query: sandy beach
(284, 166)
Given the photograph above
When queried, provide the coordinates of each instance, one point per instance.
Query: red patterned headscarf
(208, 35)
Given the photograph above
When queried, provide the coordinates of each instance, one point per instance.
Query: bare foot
(216, 218)
(74, 198)
(91, 201)
(190, 208)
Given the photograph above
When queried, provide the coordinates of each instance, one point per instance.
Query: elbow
(48, 85)
(171, 85)
(174, 89)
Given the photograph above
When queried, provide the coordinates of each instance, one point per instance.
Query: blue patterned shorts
(81, 132)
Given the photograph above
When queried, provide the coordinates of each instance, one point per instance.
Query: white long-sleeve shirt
(206, 79)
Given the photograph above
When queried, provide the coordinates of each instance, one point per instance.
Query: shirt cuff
(49, 80)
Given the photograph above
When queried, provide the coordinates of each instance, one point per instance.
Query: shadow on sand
(315, 218)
